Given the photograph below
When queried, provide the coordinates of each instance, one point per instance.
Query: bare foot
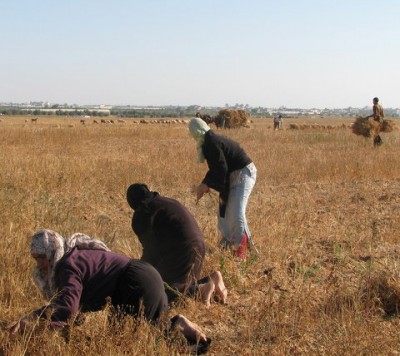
(206, 291)
(190, 331)
(220, 290)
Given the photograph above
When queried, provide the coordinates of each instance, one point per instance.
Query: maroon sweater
(84, 278)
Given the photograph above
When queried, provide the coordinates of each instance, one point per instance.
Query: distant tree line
(187, 111)
(58, 112)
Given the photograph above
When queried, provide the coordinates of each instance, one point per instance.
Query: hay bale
(232, 119)
(366, 127)
(387, 126)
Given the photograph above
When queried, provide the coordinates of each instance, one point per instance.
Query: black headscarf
(139, 195)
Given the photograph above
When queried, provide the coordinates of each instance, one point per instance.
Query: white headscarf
(198, 128)
(52, 245)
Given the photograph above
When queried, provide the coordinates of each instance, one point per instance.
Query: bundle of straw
(387, 126)
(232, 118)
(366, 127)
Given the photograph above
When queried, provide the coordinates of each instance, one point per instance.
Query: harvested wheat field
(324, 214)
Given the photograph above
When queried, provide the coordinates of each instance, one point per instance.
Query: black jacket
(172, 240)
(223, 156)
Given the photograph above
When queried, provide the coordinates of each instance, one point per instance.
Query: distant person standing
(377, 115)
(278, 122)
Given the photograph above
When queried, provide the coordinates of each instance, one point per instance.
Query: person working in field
(278, 122)
(233, 174)
(173, 243)
(378, 116)
(79, 275)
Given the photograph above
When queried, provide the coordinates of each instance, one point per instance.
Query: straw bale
(232, 119)
(366, 127)
(387, 126)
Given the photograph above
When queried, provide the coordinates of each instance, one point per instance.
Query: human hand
(201, 190)
(19, 326)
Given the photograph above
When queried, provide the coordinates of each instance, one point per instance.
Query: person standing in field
(278, 122)
(378, 116)
(173, 243)
(81, 276)
(233, 174)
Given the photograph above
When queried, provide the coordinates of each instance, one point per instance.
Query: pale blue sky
(294, 53)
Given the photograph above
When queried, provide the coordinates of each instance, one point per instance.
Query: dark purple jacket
(84, 278)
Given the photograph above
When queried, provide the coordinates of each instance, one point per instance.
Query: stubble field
(324, 215)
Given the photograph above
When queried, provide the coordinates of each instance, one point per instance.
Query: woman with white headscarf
(79, 274)
(233, 174)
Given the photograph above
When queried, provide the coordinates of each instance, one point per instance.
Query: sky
(268, 53)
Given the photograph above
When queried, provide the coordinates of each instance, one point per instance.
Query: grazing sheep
(34, 119)
(82, 122)
(95, 122)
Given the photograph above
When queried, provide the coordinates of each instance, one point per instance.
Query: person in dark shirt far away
(378, 116)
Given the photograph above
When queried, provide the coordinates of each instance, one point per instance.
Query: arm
(200, 190)
(63, 306)
(374, 113)
(217, 169)
(215, 178)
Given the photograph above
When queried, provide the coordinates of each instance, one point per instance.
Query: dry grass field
(325, 216)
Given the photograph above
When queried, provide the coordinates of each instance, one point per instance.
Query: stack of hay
(368, 127)
(232, 118)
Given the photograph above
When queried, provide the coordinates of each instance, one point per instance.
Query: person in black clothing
(173, 243)
(232, 173)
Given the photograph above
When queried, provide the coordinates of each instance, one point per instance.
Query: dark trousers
(141, 290)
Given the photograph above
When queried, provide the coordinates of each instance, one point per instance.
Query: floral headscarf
(53, 246)
(197, 129)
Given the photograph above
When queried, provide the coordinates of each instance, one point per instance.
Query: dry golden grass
(325, 215)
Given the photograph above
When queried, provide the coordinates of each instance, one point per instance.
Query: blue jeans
(234, 224)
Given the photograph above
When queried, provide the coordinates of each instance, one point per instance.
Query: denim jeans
(234, 224)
